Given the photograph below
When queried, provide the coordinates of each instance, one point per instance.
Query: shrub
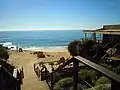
(51, 63)
(103, 80)
(48, 55)
(89, 75)
(41, 64)
(72, 47)
(58, 62)
(102, 87)
(62, 60)
(56, 77)
(79, 87)
(84, 73)
(3, 53)
(40, 55)
(66, 82)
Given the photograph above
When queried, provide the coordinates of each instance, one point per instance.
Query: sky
(58, 14)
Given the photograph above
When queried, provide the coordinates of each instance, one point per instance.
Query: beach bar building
(108, 33)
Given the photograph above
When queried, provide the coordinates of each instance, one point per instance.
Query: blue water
(40, 38)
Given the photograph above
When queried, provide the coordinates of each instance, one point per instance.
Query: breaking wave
(11, 46)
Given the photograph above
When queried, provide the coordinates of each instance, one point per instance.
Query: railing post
(51, 77)
(115, 85)
(75, 74)
(34, 67)
(1, 68)
(18, 85)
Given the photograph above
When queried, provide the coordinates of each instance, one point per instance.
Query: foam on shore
(47, 48)
(11, 46)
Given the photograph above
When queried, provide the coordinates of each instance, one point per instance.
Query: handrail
(17, 82)
(46, 62)
(115, 78)
(61, 66)
(106, 45)
(7, 72)
(99, 68)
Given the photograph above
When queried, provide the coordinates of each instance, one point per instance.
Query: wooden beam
(75, 74)
(104, 71)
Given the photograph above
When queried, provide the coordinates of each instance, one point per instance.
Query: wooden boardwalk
(31, 81)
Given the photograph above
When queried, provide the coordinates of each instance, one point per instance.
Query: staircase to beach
(30, 81)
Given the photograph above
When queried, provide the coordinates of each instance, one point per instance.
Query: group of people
(19, 49)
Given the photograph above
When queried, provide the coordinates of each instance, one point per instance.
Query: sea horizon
(11, 30)
(40, 39)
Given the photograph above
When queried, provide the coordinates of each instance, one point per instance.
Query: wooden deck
(31, 81)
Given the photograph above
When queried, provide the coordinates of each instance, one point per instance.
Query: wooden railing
(10, 79)
(115, 79)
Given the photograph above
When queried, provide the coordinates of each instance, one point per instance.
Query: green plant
(66, 82)
(41, 64)
(79, 87)
(58, 62)
(72, 47)
(51, 63)
(88, 75)
(62, 60)
(103, 80)
(40, 55)
(101, 87)
(84, 73)
(3, 53)
(56, 77)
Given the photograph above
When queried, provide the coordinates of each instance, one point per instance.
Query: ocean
(44, 39)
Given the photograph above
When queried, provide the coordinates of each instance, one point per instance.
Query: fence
(115, 79)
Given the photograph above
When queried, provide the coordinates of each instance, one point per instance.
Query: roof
(107, 29)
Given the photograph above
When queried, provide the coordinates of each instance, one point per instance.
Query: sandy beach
(27, 60)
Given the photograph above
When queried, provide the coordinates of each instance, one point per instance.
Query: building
(109, 33)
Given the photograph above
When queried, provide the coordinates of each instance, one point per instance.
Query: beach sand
(27, 60)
